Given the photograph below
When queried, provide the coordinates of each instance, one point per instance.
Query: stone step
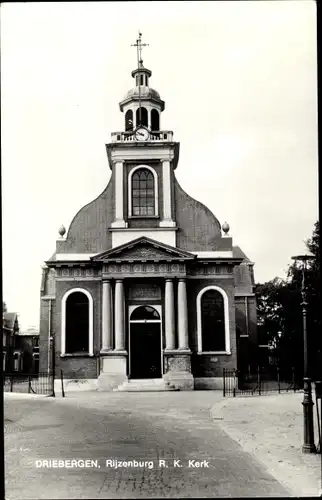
(145, 385)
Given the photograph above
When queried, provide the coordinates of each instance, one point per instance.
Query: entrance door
(145, 343)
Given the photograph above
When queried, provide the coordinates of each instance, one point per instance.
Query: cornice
(137, 151)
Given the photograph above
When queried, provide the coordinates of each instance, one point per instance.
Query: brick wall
(210, 365)
(44, 332)
(80, 366)
(247, 346)
(198, 227)
(88, 231)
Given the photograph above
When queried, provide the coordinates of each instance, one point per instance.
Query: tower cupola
(142, 104)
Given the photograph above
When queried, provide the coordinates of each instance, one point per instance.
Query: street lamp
(308, 445)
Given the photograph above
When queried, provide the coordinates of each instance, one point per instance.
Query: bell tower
(142, 158)
(142, 104)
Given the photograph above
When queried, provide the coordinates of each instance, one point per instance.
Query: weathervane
(139, 46)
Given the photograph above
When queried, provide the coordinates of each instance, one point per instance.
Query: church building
(146, 287)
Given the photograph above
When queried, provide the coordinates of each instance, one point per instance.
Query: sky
(239, 80)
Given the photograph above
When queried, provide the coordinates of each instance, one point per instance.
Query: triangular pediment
(144, 249)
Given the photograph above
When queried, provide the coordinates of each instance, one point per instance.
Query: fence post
(29, 383)
(278, 380)
(53, 367)
(234, 391)
(62, 383)
(318, 397)
(224, 383)
(11, 383)
(259, 380)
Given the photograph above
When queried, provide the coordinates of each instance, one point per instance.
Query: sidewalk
(271, 429)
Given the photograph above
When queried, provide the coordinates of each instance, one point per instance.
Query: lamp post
(308, 445)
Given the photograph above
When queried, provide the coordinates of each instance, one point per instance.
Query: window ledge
(201, 353)
(77, 355)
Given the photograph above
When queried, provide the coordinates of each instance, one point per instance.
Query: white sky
(240, 84)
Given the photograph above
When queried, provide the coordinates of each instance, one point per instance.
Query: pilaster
(119, 316)
(118, 195)
(169, 315)
(177, 362)
(167, 193)
(107, 340)
(182, 315)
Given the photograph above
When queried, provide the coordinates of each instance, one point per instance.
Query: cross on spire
(139, 46)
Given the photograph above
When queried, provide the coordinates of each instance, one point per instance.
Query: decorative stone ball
(62, 231)
(225, 227)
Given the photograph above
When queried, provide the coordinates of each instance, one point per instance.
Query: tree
(280, 322)
(313, 287)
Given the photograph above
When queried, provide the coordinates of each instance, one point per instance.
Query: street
(174, 431)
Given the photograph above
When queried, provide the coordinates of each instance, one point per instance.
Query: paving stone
(144, 426)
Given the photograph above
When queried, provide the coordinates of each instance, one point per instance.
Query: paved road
(123, 426)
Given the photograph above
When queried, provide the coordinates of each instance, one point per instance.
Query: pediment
(144, 249)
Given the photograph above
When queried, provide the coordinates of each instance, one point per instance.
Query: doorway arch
(145, 352)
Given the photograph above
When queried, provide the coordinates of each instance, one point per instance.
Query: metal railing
(160, 136)
(40, 383)
(260, 381)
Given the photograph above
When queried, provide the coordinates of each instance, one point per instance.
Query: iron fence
(40, 383)
(259, 381)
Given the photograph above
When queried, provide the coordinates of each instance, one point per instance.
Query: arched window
(213, 320)
(145, 313)
(142, 116)
(77, 322)
(129, 120)
(143, 195)
(155, 120)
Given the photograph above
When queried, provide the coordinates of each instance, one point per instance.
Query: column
(149, 119)
(118, 195)
(119, 316)
(107, 316)
(166, 180)
(169, 315)
(182, 315)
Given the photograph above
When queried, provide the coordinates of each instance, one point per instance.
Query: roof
(146, 248)
(144, 91)
(9, 319)
(31, 331)
(238, 253)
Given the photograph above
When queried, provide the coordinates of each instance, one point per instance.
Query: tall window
(213, 321)
(143, 200)
(129, 120)
(142, 116)
(77, 323)
(155, 120)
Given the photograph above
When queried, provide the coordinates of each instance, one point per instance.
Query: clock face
(142, 134)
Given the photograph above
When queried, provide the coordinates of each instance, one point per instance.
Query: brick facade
(104, 243)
